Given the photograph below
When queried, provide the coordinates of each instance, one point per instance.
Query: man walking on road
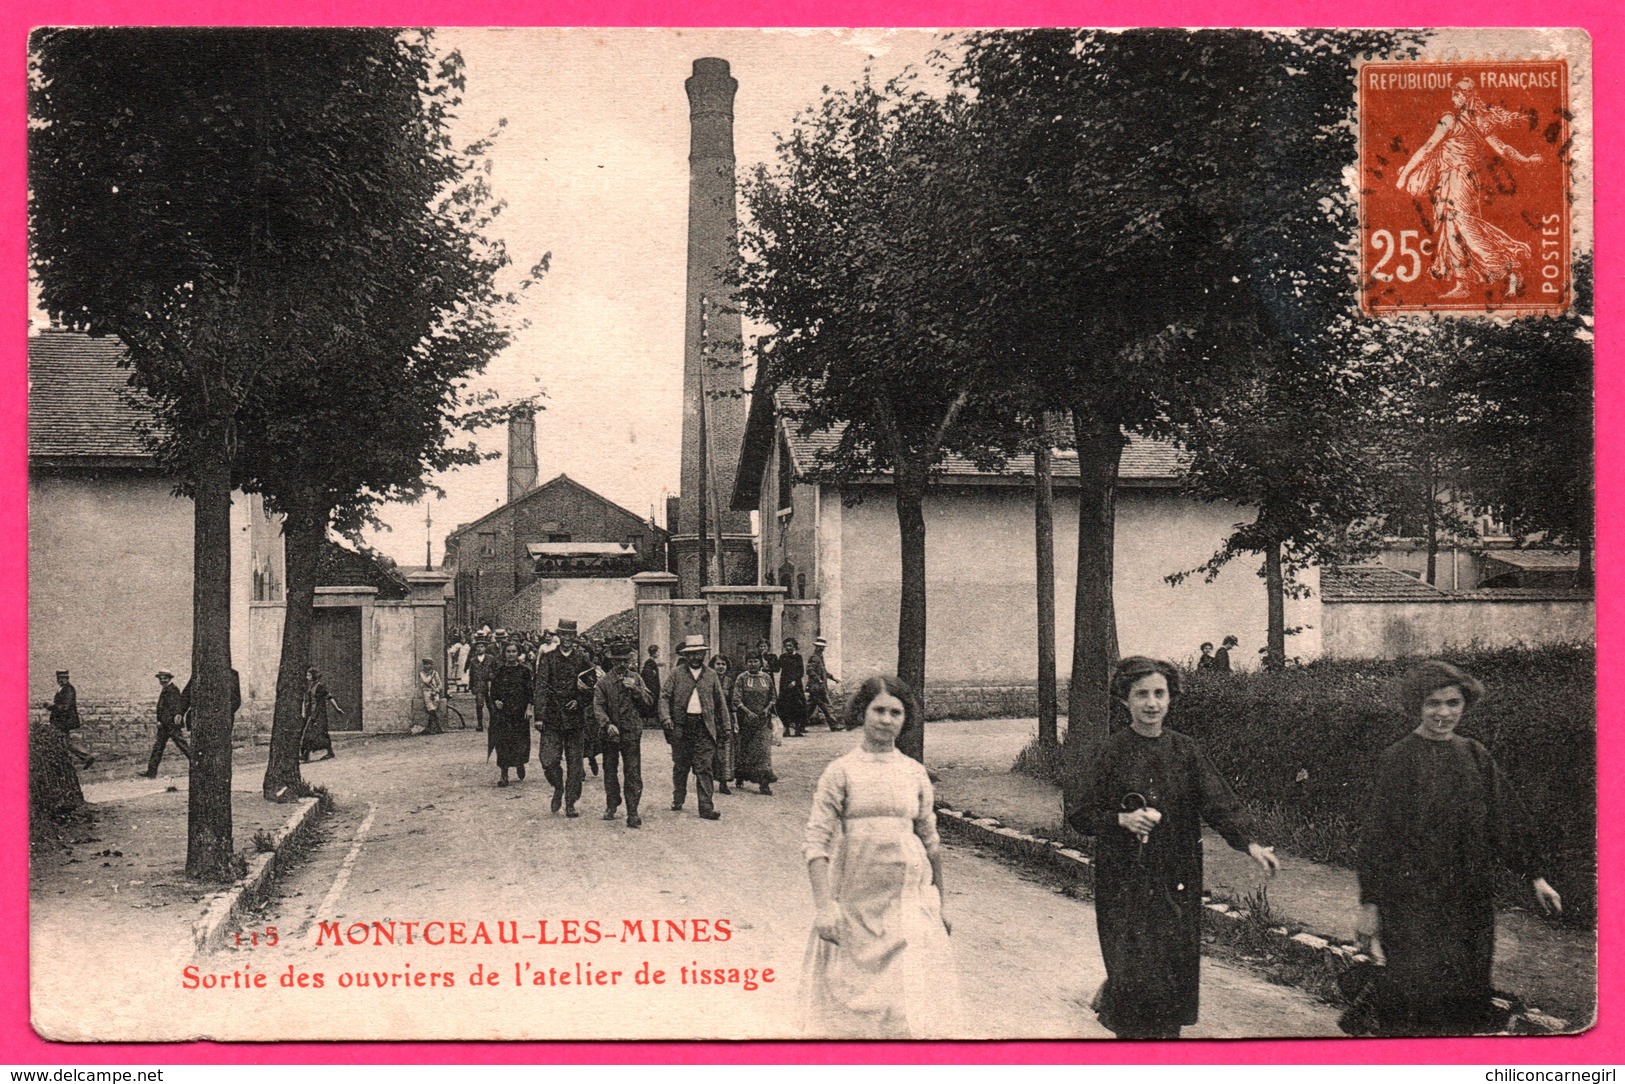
(560, 693)
(480, 668)
(169, 723)
(818, 679)
(619, 704)
(693, 713)
(65, 716)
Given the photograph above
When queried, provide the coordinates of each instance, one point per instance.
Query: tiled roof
(1375, 583)
(1144, 460)
(79, 399)
(1536, 560)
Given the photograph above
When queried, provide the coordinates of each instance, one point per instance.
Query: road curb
(1223, 920)
(209, 931)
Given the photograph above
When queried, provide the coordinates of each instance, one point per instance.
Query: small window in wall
(488, 543)
(801, 585)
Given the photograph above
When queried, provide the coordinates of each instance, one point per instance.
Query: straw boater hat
(160, 675)
(820, 642)
(692, 643)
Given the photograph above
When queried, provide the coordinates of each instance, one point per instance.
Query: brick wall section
(125, 728)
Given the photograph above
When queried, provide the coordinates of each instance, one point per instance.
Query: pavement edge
(1220, 919)
(209, 931)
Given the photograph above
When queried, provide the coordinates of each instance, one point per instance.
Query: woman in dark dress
(512, 689)
(1442, 818)
(752, 703)
(792, 670)
(1144, 800)
(317, 700)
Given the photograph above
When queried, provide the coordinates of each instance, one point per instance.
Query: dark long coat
(1443, 817)
(510, 737)
(1148, 897)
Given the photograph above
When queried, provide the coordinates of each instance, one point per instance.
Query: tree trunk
(1275, 595)
(1094, 620)
(1044, 546)
(303, 532)
(1433, 527)
(909, 485)
(208, 820)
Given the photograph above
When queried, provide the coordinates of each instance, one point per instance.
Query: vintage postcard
(483, 481)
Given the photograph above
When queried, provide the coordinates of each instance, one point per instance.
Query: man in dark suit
(169, 723)
(620, 702)
(564, 680)
(651, 681)
(64, 709)
(693, 713)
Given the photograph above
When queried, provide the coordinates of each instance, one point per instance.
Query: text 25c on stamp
(1464, 186)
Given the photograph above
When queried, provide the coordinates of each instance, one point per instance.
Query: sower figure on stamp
(65, 716)
(619, 704)
(559, 697)
(169, 723)
(693, 713)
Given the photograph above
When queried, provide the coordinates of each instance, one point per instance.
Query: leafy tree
(209, 197)
(367, 415)
(856, 257)
(1109, 170)
(1290, 436)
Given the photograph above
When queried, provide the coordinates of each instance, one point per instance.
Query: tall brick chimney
(713, 351)
(521, 453)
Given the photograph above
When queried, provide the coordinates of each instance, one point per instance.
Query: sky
(593, 166)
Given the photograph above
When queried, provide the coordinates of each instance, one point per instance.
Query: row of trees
(1143, 232)
(299, 259)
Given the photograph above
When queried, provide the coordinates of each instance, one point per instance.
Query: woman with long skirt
(752, 703)
(1443, 818)
(1144, 800)
(512, 692)
(879, 964)
(317, 700)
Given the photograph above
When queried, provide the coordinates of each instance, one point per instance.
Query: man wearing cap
(818, 679)
(169, 723)
(564, 680)
(693, 713)
(65, 715)
(430, 688)
(619, 703)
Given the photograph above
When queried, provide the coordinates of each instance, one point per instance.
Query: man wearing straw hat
(693, 712)
(818, 679)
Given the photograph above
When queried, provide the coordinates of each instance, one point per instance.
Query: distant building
(559, 550)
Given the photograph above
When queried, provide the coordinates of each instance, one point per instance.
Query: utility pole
(428, 537)
(1044, 543)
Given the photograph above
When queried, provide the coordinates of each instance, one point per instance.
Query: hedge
(1299, 745)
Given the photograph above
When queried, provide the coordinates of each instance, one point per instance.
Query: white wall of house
(92, 538)
(981, 583)
(1384, 630)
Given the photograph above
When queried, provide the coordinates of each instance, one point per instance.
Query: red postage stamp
(1465, 186)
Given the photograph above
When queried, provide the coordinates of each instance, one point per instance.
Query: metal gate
(335, 650)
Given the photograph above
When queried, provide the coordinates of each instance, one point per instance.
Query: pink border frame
(19, 1044)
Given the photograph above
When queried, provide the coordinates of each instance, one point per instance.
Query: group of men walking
(588, 708)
